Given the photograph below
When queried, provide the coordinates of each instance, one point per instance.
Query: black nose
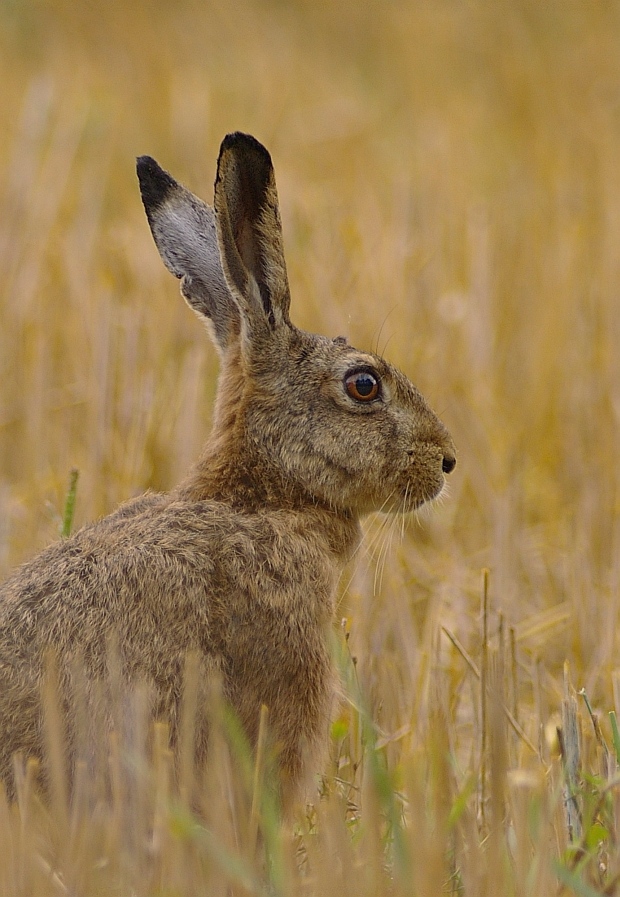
(448, 464)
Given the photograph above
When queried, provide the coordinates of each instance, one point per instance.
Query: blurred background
(450, 191)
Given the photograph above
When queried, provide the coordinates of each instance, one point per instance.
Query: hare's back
(162, 575)
(250, 593)
(146, 570)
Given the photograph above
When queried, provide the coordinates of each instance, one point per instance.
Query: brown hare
(239, 563)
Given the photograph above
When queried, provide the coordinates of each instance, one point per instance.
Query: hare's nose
(448, 464)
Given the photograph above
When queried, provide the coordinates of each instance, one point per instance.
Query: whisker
(387, 343)
(366, 549)
(377, 577)
(403, 512)
(383, 323)
(387, 545)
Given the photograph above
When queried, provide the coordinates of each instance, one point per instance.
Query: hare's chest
(280, 658)
(282, 573)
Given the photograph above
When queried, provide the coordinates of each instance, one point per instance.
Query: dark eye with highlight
(362, 386)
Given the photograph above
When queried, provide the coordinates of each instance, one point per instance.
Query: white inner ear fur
(192, 250)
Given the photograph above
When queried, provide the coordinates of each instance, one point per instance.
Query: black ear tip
(155, 183)
(145, 162)
(245, 144)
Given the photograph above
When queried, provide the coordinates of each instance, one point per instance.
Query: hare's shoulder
(208, 531)
(169, 555)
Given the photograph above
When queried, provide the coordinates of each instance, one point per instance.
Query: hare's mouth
(412, 499)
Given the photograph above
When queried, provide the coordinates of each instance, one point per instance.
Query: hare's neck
(224, 475)
(230, 470)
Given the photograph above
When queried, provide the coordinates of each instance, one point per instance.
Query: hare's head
(326, 422)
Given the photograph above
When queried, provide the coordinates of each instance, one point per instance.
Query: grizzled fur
(238, 564)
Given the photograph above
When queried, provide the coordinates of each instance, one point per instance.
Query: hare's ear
(249, 231)
(183, 228)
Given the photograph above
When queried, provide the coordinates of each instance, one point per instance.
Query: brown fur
(240, 562)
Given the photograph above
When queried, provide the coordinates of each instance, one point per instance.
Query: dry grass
(450, 192)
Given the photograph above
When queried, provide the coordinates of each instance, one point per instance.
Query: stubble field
(449, 183)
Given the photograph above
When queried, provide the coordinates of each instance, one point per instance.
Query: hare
(239, 563)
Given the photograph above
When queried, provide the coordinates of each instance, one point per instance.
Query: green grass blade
(69, 512)
(576, 884)
(615, 734)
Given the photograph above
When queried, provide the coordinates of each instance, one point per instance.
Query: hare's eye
(362, 386)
